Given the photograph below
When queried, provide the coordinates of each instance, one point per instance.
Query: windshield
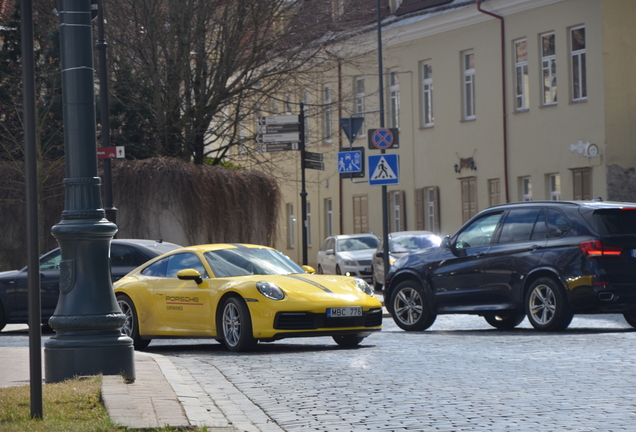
(357, 243)
(615, 221)
(412, 243)
(250, 261)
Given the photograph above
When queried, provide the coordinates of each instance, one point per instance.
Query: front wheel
(547, 306)
(348, 340)
(236, 325)
(630, 317)
(131, 325)
(409, 309)
(505, 321)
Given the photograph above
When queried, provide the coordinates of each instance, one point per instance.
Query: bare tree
(194, 71)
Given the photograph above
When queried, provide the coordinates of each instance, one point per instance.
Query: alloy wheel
(542, 304)
(408, 306)
(231, 324)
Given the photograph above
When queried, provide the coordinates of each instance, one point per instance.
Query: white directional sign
(278, 120)
(384, 169)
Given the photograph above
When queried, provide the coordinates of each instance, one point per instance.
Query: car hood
(9, 275)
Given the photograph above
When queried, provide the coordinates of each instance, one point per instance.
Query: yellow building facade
(558, 123)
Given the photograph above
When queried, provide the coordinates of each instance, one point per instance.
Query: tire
(547, 306)
(348, 340)
(236, 325)
(338, 271)
(505, 321)
(376, 286)
(409, 309)
(131, 326)
(630, 317)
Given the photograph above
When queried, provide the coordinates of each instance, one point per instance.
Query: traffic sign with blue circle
(382, 138)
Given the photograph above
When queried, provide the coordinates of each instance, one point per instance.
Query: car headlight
(350, 263)
(270, 290)
(360, 283)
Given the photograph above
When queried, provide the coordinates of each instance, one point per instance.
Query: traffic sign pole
(303, 192)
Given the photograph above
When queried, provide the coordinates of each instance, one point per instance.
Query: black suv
(547, 260)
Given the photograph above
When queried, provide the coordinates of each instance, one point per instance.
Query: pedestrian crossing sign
(384, 169)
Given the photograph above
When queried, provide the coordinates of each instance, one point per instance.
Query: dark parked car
(544, 260)
(401, 243)
(125, 256)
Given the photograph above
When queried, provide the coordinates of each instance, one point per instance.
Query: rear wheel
(236, 325)
(409, 309)
(547, 306)
(505, 321)
(131, 326)
(348, 340)
(630, 317)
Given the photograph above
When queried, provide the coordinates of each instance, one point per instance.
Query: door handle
(534, 247)
(478, 255)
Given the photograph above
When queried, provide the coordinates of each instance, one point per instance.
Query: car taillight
(594, 248)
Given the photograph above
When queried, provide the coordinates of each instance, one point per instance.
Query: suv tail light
(594, 248)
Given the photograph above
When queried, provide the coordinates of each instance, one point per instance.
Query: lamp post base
(77, 353)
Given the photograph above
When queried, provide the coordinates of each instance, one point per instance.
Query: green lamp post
(87, 320)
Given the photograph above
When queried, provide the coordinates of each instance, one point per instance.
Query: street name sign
(384, 169)
(279, 147)
(278, 128)
(315, 165)
(111, 152)
(278, 120)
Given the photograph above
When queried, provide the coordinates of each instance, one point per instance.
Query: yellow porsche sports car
(240, 294)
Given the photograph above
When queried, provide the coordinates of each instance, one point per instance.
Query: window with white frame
(275, 107)
(521, 75)
(308, 207)
(579, 78)
(427, 94)
(291, 220)
(548, 69)
(554, 183)
(328, 218)
(394, 99)
(396, 212)
(468, 65)
(307, 101)
(525, 184)
(326, 114)
(431, 204)
(360, 102)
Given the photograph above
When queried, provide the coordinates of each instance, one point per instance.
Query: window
(307, 101)
(183, 261)
(469, 85)
(360, 214)
(479, 232)
(469, 198)
(427, 209)
(558, 224)
(291, 220)
(326, 114)
(427, 94)
(124, 256)
(288, 104)
(548, 69)
(359, 108)
(328, 218)
(554, 185)
(494, 192)
(394, 99)
(579, 79)
(582, 183)
(338, 8)
(521, 75)
(308, 225)
(518, 225)
(525, 184)
(275, 108)
(397, 212)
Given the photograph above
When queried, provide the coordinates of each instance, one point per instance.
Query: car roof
(410, 233)
(341, 236)
(157, 246)
(599, 204)
(219, 246)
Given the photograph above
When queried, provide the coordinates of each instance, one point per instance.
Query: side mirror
(190, 274)
(446, 242)
(330, 252)
(379, 254)
(309, 269)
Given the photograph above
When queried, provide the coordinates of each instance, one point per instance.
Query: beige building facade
(558, 123)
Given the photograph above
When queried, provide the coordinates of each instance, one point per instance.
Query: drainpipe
(503, 93)
(340, 140)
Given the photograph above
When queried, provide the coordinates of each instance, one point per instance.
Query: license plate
(344, 312)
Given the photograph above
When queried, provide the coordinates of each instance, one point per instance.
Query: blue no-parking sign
(384, 169)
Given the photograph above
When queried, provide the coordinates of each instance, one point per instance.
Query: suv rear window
(615, 221)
